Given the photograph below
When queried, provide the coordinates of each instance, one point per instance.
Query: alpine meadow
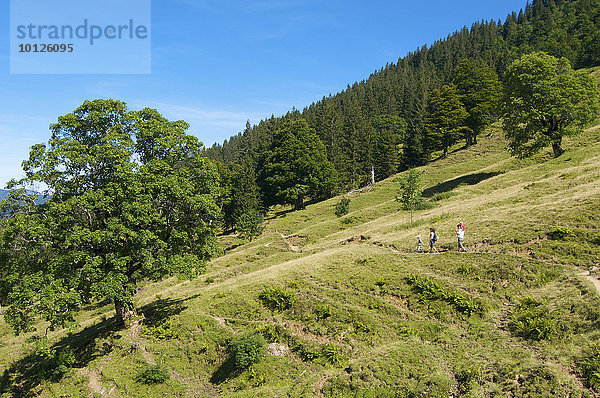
(296, 258)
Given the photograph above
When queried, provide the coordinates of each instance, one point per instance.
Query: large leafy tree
(130, 199)
(295, 166)
(545, 100)
(445, 119)
(480, 92)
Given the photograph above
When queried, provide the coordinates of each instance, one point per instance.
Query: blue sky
(216, 64)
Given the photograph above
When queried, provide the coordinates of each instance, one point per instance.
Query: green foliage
(249, 224)
(591, 368)
(306, 351)
(559, 233)
(273, 333)
(52, 363)
(154, 374)
(480, 92)
(545, 100)
(533, 320)
(432, 289)
(332, 353)
(241, 194)
(276, 298)
(323, 311)
(467, 376)
(246, 350)
(410, 191)
(342, 207)
(295, 166)
(445, 119)
(132, 199)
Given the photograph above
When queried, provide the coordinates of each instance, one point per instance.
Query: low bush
(591, 369)
(342, 207)
(246, 350)
(532, 320)
(276, 298)
(432, 289)
(154, 374)
(559, 233)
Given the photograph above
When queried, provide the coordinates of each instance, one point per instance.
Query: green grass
(354, 310)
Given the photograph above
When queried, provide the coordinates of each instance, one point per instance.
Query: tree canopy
(295, 166)
(545, 100)
(445, 121)
(480, 92)
(130, 199)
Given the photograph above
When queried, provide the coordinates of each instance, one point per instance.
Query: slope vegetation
(348, 308)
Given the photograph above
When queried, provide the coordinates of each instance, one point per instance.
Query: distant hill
(4, 195)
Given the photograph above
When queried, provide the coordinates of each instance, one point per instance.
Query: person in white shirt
(460, 234)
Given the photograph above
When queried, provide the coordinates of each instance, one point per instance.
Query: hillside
(362, 125)
(355, 311)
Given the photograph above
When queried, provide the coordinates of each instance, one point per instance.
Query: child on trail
(419, 244)
(432, 239)
(460, 234)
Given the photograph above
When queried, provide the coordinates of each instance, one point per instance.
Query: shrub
(323, 311)
(559, 233)
(246, 350)
(273, 333)
(591, 369)
(276, 298)
(432, 289)
(468, 376)
(307, 351)
(249, 225)
(154, 374)
(532, 320)
(332, 354)
(342, 207)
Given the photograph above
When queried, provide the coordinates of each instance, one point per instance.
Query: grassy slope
(370, 317)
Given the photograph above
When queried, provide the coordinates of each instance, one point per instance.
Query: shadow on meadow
(47, 362)
(449, 185)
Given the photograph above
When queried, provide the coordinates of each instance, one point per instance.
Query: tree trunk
(469, 140)
(445, 151)
(557, 148)
(125, 313)
(299, 202)
(474, 139)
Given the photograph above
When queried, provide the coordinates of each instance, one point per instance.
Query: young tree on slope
(295, 166)
(131, 200)
(545, 100)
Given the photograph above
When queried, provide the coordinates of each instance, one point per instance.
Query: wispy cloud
(211, 125)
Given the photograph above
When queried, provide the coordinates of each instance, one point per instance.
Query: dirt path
(592, 279)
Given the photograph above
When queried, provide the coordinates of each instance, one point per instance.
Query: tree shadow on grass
(447, 186)
(77, 350)
(225, 372)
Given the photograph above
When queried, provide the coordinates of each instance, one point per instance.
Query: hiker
(432, 239)
(460, 235)
(419, 244)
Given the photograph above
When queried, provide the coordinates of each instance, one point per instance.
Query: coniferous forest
(426, 101)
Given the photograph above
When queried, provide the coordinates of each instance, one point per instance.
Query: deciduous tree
(296, 166)
(131, 199)
(544, 101)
